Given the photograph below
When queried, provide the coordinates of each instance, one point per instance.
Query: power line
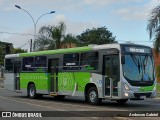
(24, 44)
(22, 34)
(133, 41)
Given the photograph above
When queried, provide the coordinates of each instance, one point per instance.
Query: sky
(126, 19)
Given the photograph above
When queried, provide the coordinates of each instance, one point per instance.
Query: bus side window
(9, 65)
(28, 64)
(71, 61)
(89, 61)
(40, 64)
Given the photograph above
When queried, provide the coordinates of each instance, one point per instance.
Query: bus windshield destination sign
(137, 50)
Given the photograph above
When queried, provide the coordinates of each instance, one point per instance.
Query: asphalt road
(74, 106)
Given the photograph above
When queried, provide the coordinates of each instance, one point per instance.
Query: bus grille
(142, 94)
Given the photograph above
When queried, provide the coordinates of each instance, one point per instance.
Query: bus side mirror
(123, 59)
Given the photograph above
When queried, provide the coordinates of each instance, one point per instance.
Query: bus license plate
(142, 97)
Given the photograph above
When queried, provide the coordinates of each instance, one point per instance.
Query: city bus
(118, 72)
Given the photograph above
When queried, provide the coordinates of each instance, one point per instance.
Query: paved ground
(73, 106)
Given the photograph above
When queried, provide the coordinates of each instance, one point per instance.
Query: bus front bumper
(138, 95)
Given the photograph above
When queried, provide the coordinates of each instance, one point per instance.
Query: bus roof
(67, 50)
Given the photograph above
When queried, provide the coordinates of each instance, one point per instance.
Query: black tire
(39, 95)
(32, 91)
(59, 97)
(92, 96)
(121, 101)
(86, 99)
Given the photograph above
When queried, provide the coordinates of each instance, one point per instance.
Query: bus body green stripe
(48, 52)
(66, 80)
(145, 89)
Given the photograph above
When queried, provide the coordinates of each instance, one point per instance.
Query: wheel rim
(32, 91)
(93, 96)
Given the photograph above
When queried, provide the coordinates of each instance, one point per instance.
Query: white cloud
(60, 18)
(72, 26)
(100, 3)
(2, 1)
(137, 12)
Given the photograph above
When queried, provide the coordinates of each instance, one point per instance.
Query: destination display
(137, 49)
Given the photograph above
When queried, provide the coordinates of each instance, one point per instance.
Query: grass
(158, 87)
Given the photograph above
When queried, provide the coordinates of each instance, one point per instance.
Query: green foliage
(158, 88)
(153, 27)
(158, 70)
(18, 50)
(98, 36)
(1, 56)
(50, 37)
(53, 37)
(70, 39)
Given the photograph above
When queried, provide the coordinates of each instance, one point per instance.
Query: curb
(2, 78)
(157, 98)
(122, 118)
(1, 85)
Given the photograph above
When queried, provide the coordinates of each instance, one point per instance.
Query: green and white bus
(111, 71)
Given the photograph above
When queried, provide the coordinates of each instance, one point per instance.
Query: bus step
(53, 94)
(18, 91)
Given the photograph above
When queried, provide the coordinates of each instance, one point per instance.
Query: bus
(118, 72)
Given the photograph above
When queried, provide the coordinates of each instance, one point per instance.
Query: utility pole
(31, 46)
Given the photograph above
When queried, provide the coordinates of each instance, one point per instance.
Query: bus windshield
(138, 67)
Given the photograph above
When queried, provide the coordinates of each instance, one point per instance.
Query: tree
(153, 27)
(18, 50)
(50, 37)
(69, 41)
(100, 35)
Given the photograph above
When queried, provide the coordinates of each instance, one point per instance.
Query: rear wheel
(32, 91)
(92, 96)
(122, 101)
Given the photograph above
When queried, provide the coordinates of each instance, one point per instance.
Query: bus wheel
(122, 101)
(93, 96)
(32, 91)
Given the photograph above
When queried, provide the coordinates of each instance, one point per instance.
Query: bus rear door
(17, 69)
(53, 70)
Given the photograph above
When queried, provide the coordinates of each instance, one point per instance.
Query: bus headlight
(126, 87)
(126, 94)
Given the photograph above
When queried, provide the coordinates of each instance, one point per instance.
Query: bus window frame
(71, 66)
(98, 66)
(12, 61)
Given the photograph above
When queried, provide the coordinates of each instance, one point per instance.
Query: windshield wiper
(136, 62)
(139, 67)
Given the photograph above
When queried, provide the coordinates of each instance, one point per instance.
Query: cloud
(100, 3)
(1, 2)
(73, 26)
(132, 13)
(137, 12)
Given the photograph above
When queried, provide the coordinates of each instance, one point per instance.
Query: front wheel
(92, 96)
(32, 91)
(121, 101)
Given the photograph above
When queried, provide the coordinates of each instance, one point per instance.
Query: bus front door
(53, 70)
(111, 75)
(17, 69)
